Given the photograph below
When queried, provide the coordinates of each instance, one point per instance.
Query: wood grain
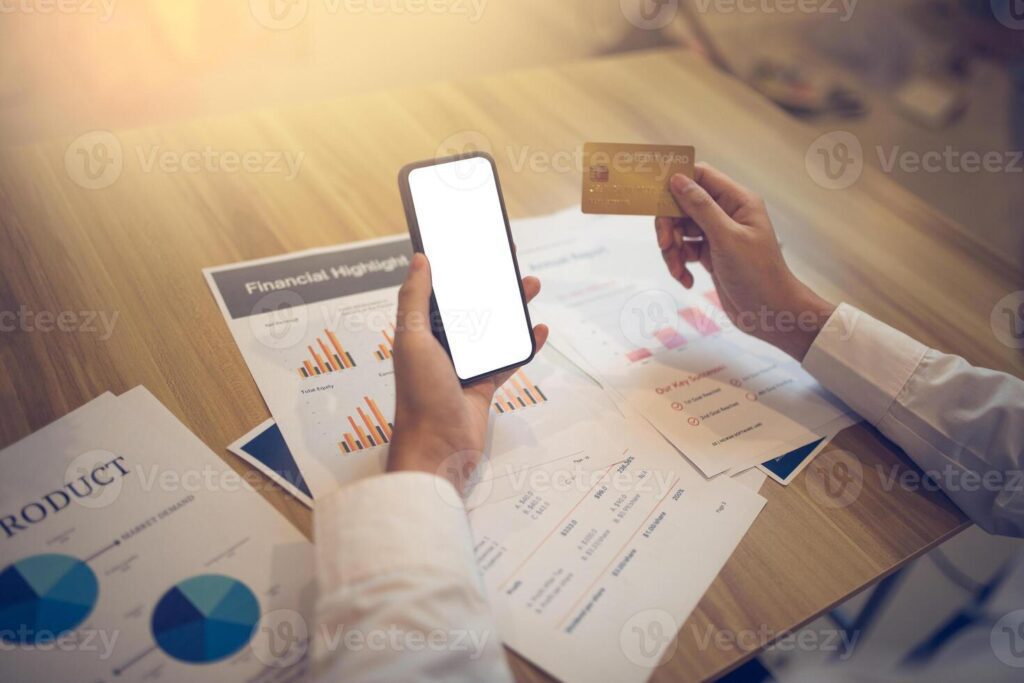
(136, 249)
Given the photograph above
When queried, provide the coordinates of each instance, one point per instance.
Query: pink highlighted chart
(637, 355)
(701, 318)
(670, 338)
(700, 321)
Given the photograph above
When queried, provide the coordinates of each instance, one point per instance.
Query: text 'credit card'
(632, 179)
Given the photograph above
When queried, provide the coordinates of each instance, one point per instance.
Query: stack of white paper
(132, 552)
(592, 532)
(590, 526)
(593, 569)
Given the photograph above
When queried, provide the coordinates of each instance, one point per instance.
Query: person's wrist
(808, 313)
(415, 450)
(424, 450)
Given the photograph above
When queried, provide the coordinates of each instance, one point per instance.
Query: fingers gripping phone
(457, 217)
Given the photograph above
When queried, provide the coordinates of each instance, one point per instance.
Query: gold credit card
(632, 179)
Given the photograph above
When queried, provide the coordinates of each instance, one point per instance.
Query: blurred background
(917, 75)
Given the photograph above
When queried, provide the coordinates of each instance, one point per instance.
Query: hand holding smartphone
(457, 218)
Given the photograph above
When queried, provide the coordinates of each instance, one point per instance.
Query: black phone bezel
(417, 242)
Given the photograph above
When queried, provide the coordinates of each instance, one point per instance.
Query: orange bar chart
(386, 350)
(518, 393)
(369, 428)
(325, 357)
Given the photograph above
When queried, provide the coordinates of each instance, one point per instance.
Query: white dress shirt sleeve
(400, 595)
(962, 425)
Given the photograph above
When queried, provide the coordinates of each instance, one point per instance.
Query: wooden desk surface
(136, 248)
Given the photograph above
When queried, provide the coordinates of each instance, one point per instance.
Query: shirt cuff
(863, 361)
(392, 522)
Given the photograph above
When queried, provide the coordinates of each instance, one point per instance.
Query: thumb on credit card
(699, 205)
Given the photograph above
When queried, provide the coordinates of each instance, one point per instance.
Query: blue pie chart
(44, 596)
(205, 619)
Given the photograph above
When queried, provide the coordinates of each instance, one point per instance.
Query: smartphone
(457, 217)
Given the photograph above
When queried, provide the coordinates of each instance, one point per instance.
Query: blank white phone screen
(463, 232)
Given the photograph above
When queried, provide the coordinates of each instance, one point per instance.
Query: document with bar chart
(548, 417)
(723, 398)
(579, 427)
(316, 329)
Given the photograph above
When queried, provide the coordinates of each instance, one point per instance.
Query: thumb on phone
(414, 298)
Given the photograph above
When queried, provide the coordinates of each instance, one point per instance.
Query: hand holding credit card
(633, 179)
